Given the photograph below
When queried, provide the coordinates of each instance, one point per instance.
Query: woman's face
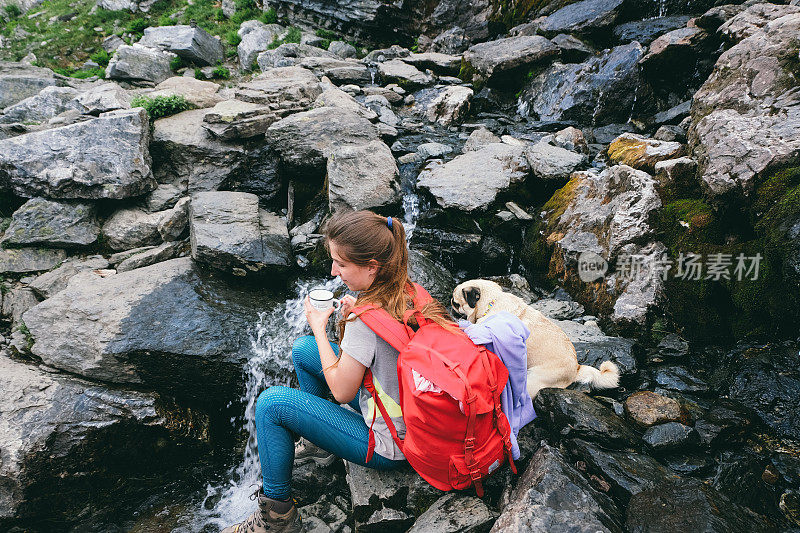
(357, 278)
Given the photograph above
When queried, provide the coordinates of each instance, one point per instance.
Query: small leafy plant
(100, 57)
(175, 63)
(269, 16)
(162, 106)
(221, 73)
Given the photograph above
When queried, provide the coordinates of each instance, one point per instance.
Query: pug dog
(552, 361)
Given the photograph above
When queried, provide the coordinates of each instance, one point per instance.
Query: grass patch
(162, 106)
(100, 57)
(13, 11)
(221, 72)
(175, 63)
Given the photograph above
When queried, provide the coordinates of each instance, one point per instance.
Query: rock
(551, 496)
(558, 309)
(433, 276)
(15, 302)
(455, 513)
(510, 56)
(571, 139)
(640, 152)
(172, 224)
(106, 157)
(163, 252)
(673, 115)
(473, 180)
(139, 63)
(603, 88)
(111, 43)
(428, 150)
(584, 17)
(396, 71)
(576, 415)
(676, 50)
(164, 197)
(669, 437)
(234, 119)
(256, 38)
(30, 259)
(676, 174)
(333, 97)
(43, 106)
(131, 228)
(285, 89)
(342, 49)
(443, 64)
(191, 43)
(49, 283)
(393, 52)
(52, 423)
(766, 127)
(198, 93)
(647, 409)
(479, 138)
(626, 473)
(305, 140)
(362, 177)
(754, 19)
(176, 348)
(593, 347)
(452, 41)
(571, 49)
(451, 106)
(687, 505)
(727, 421)
(646, 31)
(186, 156)
(102, 98)
(229, 232)
(670, 134)
(55, 224)
(550, 162)
(19, 81)
(338, 71)
(288, 55)
(679, 379)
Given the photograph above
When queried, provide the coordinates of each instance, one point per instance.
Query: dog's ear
(471, 295)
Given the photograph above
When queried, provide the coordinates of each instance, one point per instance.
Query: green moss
(467, 71)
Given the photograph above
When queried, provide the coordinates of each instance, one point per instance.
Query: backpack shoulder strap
(384, 325)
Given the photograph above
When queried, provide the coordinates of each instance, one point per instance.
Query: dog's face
(471, 298)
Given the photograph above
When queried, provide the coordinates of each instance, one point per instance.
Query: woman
(370, 256)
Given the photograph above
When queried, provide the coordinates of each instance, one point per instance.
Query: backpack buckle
(469, 443)
(475, 475)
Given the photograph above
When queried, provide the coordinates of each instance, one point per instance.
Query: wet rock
(551, 496)
(229, 232)
(232, 119)
(362, 177)
(452, 41)
(626, 473)
(577, 415)
(256, 38)
(56, 224)
(647, 408)
(725, 422)
(593, 347)
(640, 152)
(674, 48)
(680, 379)
(558, 309)
(30, 259)
(444, 64)
(571, 49)
(673, 115)
(385, 54)
(186, 156)
(603, 88)
(53, 424)
(646, 31)
(285, 89)
(495, 60)
(676, 175)
(106, 157)
(139, 63)
(687, 505)
(338, 71)
(191, 43)
(473, 180)
(455, 513)
(198, 93)
(694, 464)
(451, 106)
(56, 280)
(669, 437)
(405, 75)
(103, 98)
(172, 223)
(305, 140)
(163, 252)
(436, 279)
(552, 163)
(584, 17)
(131, 228)
(670, 133)
(43, 106)
(19, 81)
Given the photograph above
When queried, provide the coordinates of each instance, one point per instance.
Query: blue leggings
(281, 411)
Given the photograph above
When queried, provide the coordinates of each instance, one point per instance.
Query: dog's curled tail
(605, 378)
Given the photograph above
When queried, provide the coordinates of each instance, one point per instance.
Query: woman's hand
(317, 318)
(348, 301)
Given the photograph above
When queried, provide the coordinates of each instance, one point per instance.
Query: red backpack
(448, 447)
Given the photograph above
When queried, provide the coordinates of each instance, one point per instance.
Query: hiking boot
(265, 520)
(305, 452)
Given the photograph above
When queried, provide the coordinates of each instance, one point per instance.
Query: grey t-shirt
(366, 347)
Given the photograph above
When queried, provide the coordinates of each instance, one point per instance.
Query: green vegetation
(81, 73)
(100, 57)
(13, 11)
(161, 106)
(292, 36)
(221, 72)
(269, 16)
(232, 38)
(176, 63)
(198, 74)
(137, 25)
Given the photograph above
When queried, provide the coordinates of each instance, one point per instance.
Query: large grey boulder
(586, 17)
(20, 260)
(451, 106)
(43, 106)
(342, 49)
(455, 513)
(363, 176)
(339, 71)
(131, 228)
(160, 327)
(199, 93)
(51, 423)
(305, 140)
(106, 157)
(234, 119)
(229, 232)
(19, 81)
(163, 252)
(102, 98)
(553, 497)
(289, 55)
(56, 280)
(192, 43)
(473, 180)
(256, 38)
(56, 224)
(550, 162)
(335, 97)
(405, 75)
(446, 64)
(734, 139)
(602, 90)
(185, 155)
(139, 63)
(509, 56)
(465, 22)
(284, 89)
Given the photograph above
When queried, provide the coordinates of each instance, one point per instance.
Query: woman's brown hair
(362, 236)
